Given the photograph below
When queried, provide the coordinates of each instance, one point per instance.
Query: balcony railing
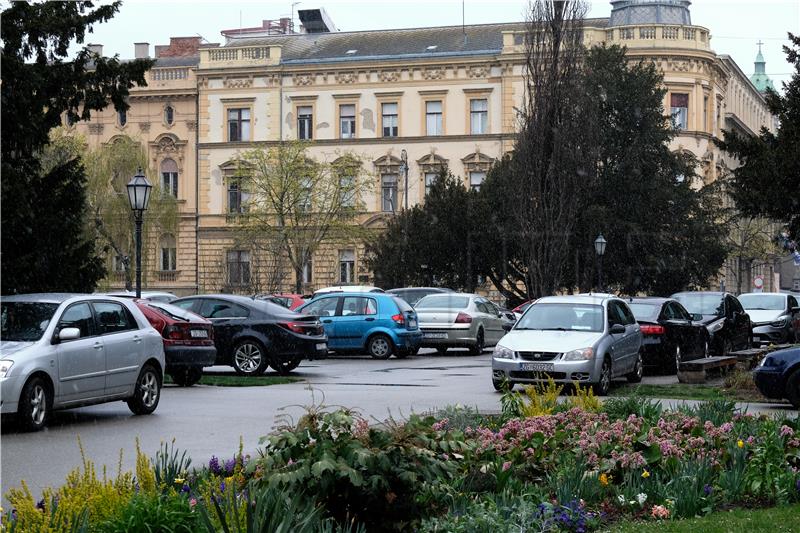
(168, 275)
(167, 74)
(244, 56)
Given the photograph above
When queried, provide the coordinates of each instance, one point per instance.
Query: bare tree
(554, 154)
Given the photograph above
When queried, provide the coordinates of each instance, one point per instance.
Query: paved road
(208, 421)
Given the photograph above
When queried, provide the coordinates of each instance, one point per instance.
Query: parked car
(347, 288)
(380, 324)
(458, 320)
(726, 320)
(289, 301)
(670, 333)
(509, 317)
(252, 334)
(583, 339)
(413, 294)
(775, 317)
(65, 350)
(153, 296)
(188, 340)
(778, 375)
(521, 308)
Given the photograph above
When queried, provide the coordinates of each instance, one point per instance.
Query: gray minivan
(59, 351)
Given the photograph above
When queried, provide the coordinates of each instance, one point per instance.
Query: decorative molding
(244, 100)
(433, 73)
(144, 126)
(238, 83)
(482, 90)
(96, 129)
(303, 97)
(389, 76)
(436, 92)
(349, 96)
(303, 79)
(191, 125)
(389, 94)
(477, 71)
(346, 78)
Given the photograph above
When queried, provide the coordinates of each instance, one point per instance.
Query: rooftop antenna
(294, 4)
(463, 23)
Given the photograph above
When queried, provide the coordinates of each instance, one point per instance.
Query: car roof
(707, 293)
(438, 289)
(232, 297)
(650, 299)
(594, 299)
(767, 293)
(44, 297)
(360, 294)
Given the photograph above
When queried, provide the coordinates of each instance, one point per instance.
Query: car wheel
(147, 391)
(477, 348)
(34, 405)
(676, 363)
(285, 367)
(442, 350)
(602, 387)
(503, 386)
(793, 389)
(380, 347)
(186, 376)
(249, 358)
(638, 370)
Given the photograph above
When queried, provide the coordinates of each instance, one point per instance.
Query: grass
(684, 391)
(242, 381)
(773, 520)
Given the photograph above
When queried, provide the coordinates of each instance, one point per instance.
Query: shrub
(688, 487)
(623, 407)
(541, 398)
(153, 512)
(168, 467)
(457, 417)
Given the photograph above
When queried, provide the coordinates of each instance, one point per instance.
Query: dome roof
(631, 12)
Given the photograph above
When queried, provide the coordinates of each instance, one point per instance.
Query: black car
(414, 294)
(670, 333)
(727, 322)
(252, 334)
(778, 375)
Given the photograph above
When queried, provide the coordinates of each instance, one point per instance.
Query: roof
(178, 61)
(49, 297)
(480, 39)
(577, 299)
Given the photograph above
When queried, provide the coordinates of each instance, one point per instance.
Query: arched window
(169, 115)
(168, 253)
(122, 117)
(169, 177)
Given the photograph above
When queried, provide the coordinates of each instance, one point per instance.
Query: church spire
(759, 77)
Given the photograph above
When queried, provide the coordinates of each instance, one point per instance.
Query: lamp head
(139, 189)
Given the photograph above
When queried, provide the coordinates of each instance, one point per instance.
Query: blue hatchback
(380, 324)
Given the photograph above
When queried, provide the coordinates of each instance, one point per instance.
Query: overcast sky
(735, 25)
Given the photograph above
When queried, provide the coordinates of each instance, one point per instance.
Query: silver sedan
(458, 320)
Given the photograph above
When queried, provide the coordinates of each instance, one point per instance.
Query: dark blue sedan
(778, 375)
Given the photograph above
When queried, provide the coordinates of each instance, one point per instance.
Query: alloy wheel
(379, 348)
(247, 358)
(38, 404)
(677, 358)
(148, 388)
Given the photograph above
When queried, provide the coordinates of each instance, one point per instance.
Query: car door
(620, 358)
(124, 345)
(325, 308)
(633, 335)
(740, 324)
(82, 361)
(494, 328)
(358, 316)
(227, 318)
(678, 330)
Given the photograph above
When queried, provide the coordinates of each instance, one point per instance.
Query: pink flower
(290, 462)
(506, 465)
(659, 512)
(786, 431)
(192, 502)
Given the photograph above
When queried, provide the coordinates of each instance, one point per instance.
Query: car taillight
(173, 333)
(463, 318)
(399, 319)
(297, 327)
(652, 330)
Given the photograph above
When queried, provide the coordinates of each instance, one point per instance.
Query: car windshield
(704, 304)
(25, 321)
(763, 302)
(563, 317)
(173, 311)
(644, 311)
(443, 301)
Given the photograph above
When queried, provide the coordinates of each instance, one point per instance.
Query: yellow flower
(179, 480)
(603, 479)
(645, 474)
(740, 443)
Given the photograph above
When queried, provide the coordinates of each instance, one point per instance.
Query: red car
(289, 301)
(188, 340)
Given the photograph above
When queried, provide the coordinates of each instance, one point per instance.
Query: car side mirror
(68, 334)
(617, 329)
(697, 317)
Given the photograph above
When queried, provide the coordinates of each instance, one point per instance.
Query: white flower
(484, 469)
(641, 498)
(458, 456)
(621, 499)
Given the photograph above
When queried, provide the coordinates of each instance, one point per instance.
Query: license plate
(537, 367)
(412, 323)
(198, 333)
(435, 335)
(322, 346)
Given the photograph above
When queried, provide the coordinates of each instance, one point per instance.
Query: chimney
(142, 50)
(95, 48)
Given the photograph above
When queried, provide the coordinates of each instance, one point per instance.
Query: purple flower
(213, 465)
(40, 504)
(222, 486)
(229, 466)
(708, 490)
(185, 488)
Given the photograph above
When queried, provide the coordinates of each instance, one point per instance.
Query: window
(433, 117)
(347, 121)
(122, 117)
(118, 263)
(705, 113)
(238, 124)
(308, 271)
(169, 115)
(359, 305)
(306, 198)
(388, 192)
(223, 309)
(389, 119)
(238, 267)
(476, 179)
(430, 179)
(305, 121)
(78, 316)
(113, 318)
(237, 197)
(347, 266)
(169, 177)
(679, 109)
(347, 187)
(322, 307)
(168, 253)
(479, 116)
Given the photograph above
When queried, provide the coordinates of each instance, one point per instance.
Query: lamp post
(139, 196)
(600, 250)
(404, 170)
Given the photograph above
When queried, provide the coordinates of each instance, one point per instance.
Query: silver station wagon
(586, 339)
(64, 350)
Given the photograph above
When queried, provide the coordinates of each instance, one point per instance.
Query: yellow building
(445, 95)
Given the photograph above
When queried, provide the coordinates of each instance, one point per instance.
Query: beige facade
(445, 95)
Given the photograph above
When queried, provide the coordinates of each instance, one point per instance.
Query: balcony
(245, 56)
(168, 275)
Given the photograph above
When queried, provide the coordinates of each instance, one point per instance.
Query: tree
(297, 203)
(767, 182)
(44, 246)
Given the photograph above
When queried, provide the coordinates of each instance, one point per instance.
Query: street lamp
(404, 170)
(139, 196)
(600, 250)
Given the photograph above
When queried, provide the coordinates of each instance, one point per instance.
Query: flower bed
(573, 469)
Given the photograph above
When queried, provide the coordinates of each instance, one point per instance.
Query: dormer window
(432, 47)
(351, 52)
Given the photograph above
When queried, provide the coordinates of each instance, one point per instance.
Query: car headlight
(5, 366)
(779, 322)
(771, 362)
(716, 326)
(581, 354)
(501, 352)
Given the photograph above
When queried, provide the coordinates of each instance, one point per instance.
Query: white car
(585, 339)
(65, 350)
(347, 288)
